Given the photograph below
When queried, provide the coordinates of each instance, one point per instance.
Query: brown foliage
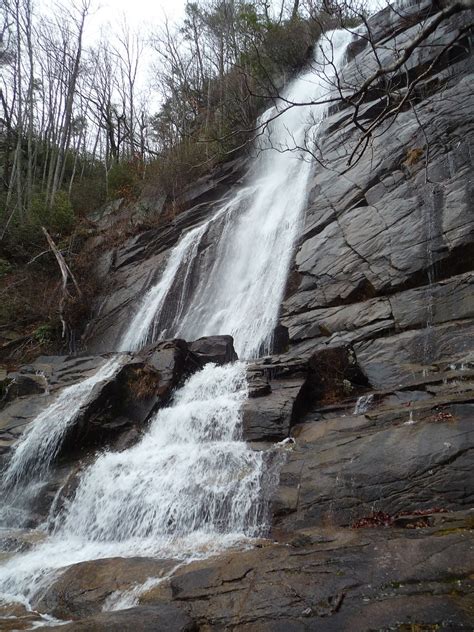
(142, 382)
(382, 519)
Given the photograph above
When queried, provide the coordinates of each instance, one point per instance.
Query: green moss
(5, 267)
(44, 334)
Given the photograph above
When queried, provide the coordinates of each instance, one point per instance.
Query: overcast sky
(140, 14)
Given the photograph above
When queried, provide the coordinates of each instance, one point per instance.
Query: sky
(139, 14)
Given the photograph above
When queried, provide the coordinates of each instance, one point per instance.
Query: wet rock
(144, 383)
(334, 374)
(395, 458)
(16, 617)
(83, 589)
(218, 349)
(258, 385)
(281, 339)
(333, 579)
(145, 619)
(269, 417)
(21, 384)
(127, 400)
(397, 360)
(282, 389)
(276, 399)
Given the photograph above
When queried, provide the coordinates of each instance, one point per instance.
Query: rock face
(385, 258)
(369, 392)
(410, 451)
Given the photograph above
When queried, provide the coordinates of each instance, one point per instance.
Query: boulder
(217, 349)
(276, 398)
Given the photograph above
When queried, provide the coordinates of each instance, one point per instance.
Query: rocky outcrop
(276, 396)
(126, 270)
(144, 382)
(385, 258)
(283, 388)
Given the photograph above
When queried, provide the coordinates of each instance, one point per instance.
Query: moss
(452, 530)
(45, 333)
(142, 382)
(5, 267)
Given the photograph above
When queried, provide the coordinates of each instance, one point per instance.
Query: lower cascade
(191, 486)
(38, 447)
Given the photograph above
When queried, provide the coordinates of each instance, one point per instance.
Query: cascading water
(191, 485)
(250, 238)
(40, 444)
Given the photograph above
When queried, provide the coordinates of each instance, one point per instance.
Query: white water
(191, 486)
(242, 273)
(40, 444)
(363, 404)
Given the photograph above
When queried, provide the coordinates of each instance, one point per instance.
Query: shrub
(58, 218)
(125, 179)
(45, 333)
(5, 267)
(87, 195)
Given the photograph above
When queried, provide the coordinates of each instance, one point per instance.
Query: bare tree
(65, 134)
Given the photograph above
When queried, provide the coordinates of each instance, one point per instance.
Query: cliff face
(370, 383)
(385, 258)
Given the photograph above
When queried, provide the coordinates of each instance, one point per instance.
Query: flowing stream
(191, 486)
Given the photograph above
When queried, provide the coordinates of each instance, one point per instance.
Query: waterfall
(192, 486)
(39, 445)
(242, 273)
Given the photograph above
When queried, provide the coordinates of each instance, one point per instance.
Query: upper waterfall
(242, 273)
